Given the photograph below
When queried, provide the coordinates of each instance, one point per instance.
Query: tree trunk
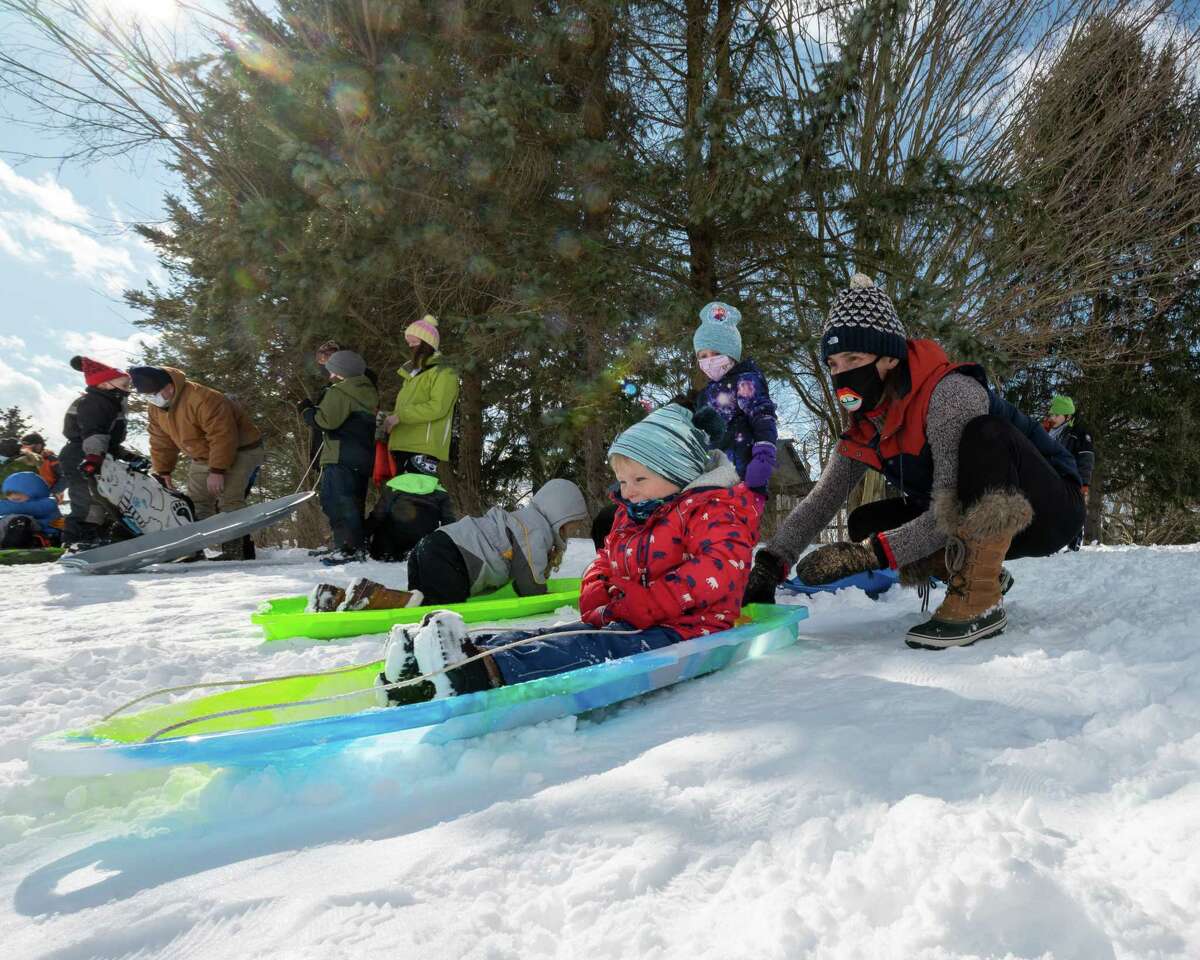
(465, 481)
(1094, 527)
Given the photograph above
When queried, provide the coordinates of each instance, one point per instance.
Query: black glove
(768, 572)
(305, 404)
(834, 561)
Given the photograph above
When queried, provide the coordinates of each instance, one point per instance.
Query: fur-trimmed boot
(325, 598)
(364, 594)
(443, 649)
(973, 607)
(921, 574)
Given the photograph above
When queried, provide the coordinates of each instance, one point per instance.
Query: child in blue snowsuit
(26, 494)
(738, 391)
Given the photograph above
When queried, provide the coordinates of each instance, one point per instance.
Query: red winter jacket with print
(685, 568)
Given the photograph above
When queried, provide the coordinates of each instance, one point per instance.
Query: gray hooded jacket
(517, 545)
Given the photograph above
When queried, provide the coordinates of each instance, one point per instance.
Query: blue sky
(66, 253)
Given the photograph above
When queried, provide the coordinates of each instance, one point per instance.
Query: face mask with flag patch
(859, 389)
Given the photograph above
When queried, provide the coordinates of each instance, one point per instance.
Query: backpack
(17, 532)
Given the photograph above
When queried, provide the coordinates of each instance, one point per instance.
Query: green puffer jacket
(346, 417)
(425, 409)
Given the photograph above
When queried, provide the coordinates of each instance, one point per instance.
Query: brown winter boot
(364, 594)
(325, 598)
(974, 556)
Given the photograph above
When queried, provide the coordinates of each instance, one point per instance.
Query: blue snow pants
(543, 658)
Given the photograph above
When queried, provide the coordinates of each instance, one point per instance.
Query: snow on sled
(164, 545)
(286, 617)
(871, 582)
(23, 555)
(252, 725)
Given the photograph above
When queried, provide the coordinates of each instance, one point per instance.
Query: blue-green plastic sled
(252, 725)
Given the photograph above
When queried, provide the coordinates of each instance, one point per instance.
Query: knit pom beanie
(863, 320)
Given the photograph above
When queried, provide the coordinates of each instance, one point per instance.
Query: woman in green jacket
(421, 420)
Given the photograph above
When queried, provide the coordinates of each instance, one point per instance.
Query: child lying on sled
(477, 554)
(673, 567)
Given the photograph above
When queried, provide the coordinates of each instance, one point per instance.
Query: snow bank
(1034, 796)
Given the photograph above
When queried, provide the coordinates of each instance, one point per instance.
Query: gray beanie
(862, 319)
(346, 363)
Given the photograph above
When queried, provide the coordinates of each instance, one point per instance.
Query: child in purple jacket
(738, 391)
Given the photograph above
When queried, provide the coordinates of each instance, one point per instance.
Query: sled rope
(371, 689)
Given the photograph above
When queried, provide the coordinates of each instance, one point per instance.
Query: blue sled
(872, 582)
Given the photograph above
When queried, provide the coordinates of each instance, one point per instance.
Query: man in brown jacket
(224, 445)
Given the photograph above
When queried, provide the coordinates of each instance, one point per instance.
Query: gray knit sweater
(955, 401)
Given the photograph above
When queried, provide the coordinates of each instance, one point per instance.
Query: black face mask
(859, 390)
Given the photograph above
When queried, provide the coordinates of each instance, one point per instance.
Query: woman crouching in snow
(980, 482)
(674, 566)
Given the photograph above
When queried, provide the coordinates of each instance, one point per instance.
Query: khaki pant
(237, 477)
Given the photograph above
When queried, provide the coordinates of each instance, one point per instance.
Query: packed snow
(1034, 796)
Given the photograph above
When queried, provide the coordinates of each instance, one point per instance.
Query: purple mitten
(761, 466)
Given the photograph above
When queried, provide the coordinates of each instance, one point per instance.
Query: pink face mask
(716, 367)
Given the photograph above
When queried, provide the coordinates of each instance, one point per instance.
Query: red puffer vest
(900, 450)
(685, 568)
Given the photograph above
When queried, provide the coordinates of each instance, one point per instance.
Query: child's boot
(325, 598)
(365, 594)
(400, 663)
(442, 642)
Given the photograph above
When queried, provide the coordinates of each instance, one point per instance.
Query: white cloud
(11, 343)
(42, 223)
(46, 194)
(105, 348)
(106, 264)
(43, 402)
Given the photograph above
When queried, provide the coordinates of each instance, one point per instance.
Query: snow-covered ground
(1037, 795)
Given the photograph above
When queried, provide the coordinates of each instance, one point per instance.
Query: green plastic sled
(285, 618)
(30, 555)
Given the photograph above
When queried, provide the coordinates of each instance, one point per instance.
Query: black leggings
(436, 568)
(995, 455)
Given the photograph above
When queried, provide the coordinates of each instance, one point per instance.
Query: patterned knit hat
(668, 443)
(94, 372)
(425, 329)
(718, 330)
(862, 319)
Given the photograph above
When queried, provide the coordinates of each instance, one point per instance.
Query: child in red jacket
(673, 567)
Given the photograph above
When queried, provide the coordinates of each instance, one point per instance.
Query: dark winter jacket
(900, 450)
(1075, 436)
(412, 506)
(685, 567)
(744, 401)
(346, 418)
(94, 424)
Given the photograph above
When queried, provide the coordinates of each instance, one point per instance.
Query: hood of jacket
(560, 501)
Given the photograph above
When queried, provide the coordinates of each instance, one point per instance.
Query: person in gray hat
(346, 418)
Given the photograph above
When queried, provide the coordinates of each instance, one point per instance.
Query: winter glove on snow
(767, 573)
(91, 464)
(761, 466)
(834, 561)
